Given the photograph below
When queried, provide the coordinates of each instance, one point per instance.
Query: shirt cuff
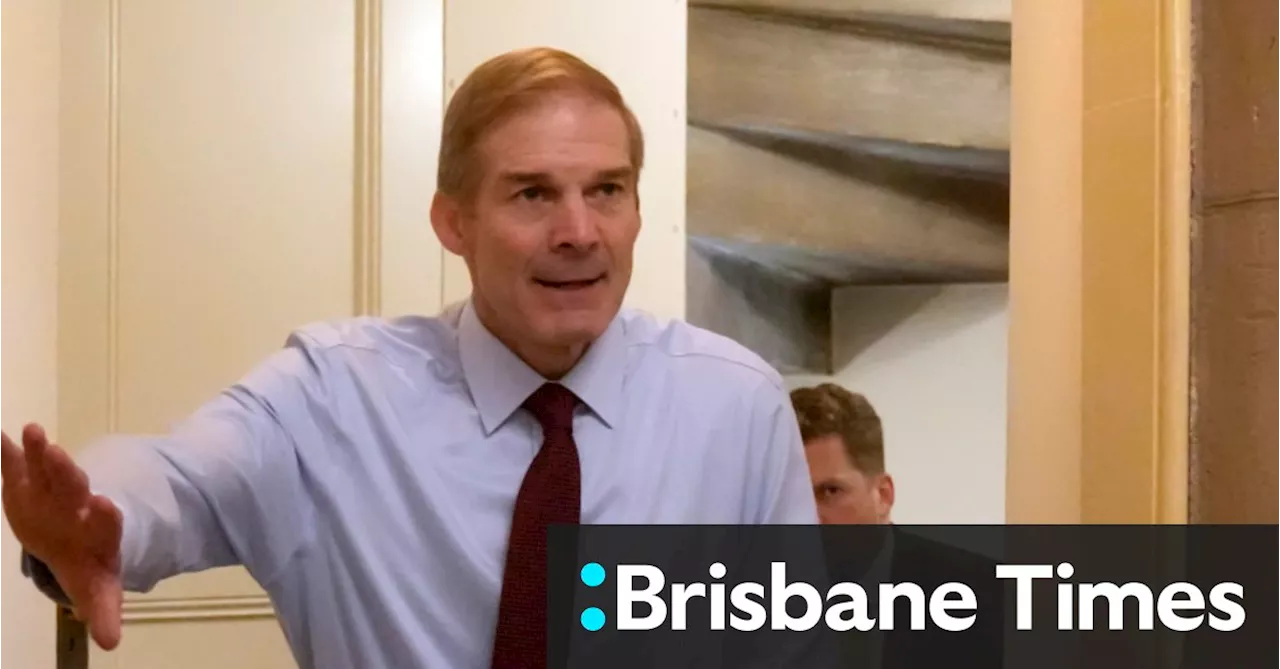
(43, 578)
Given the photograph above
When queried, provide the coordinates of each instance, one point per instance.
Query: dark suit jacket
(930, 564)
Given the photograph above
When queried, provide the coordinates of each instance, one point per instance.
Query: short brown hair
(507, 84)
(830, 410)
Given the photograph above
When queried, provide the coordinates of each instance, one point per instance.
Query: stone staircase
(840, 142)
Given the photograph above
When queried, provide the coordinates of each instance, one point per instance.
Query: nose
(574, 226)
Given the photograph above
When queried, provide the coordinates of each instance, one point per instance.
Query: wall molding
(113, 216)
(411, 80)
(368, 163)
(1173, 320)
(242, 607)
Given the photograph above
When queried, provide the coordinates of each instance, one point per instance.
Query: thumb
(103, 610)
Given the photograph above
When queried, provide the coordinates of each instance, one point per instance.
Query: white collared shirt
(366, 473)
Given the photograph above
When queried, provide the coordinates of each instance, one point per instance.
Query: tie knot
(552, 405)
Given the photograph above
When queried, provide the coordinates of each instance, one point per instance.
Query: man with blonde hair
(844, 445)
(389, 483)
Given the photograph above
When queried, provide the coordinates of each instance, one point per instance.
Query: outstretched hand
(76, 533)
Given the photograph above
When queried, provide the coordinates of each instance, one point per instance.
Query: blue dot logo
(592, 619)
(592, 575)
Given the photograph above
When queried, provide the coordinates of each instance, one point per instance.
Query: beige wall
(181, 204)
(28, 303)
(932, 361)
(1044, 289)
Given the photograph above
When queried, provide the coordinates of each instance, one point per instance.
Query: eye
(532, 193)
(828, 491)
(609, 189)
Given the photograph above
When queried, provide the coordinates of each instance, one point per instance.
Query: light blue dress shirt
(365, 474)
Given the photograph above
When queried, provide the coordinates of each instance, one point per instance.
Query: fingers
(65, 479)
(105, 525)
(12, 462)
(51, 469)
(34, 439)
(15, 465)
(24, 464)
(33, 432)
(102, 611)
(34, 443)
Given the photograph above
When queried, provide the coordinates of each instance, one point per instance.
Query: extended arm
(224, 487)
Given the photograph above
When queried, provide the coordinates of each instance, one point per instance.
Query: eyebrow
(524, 177)
(542, 177)
(615, 173)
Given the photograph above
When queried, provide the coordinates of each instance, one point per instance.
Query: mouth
(570, 285)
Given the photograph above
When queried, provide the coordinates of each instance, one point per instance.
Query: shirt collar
(500, 381)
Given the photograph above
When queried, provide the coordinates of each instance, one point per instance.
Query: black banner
(884, 597)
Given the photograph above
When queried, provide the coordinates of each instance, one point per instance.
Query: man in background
(844, 445)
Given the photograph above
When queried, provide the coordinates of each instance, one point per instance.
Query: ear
(446, 220)
(885, 494)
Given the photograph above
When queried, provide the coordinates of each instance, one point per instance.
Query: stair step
(750, 69)
(999, 11)
(841, 226)
(857, 156)
(784, 321)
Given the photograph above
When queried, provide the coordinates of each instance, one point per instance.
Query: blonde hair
(510, 83)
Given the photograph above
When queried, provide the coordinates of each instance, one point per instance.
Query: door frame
(1099, 312)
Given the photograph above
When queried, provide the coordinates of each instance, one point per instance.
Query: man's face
(846, 495)
(549, 234)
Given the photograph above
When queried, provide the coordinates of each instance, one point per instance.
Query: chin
(572, 334)
(571, 318)
(572, 329)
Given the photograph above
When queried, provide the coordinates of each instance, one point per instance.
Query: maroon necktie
(549, 494)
